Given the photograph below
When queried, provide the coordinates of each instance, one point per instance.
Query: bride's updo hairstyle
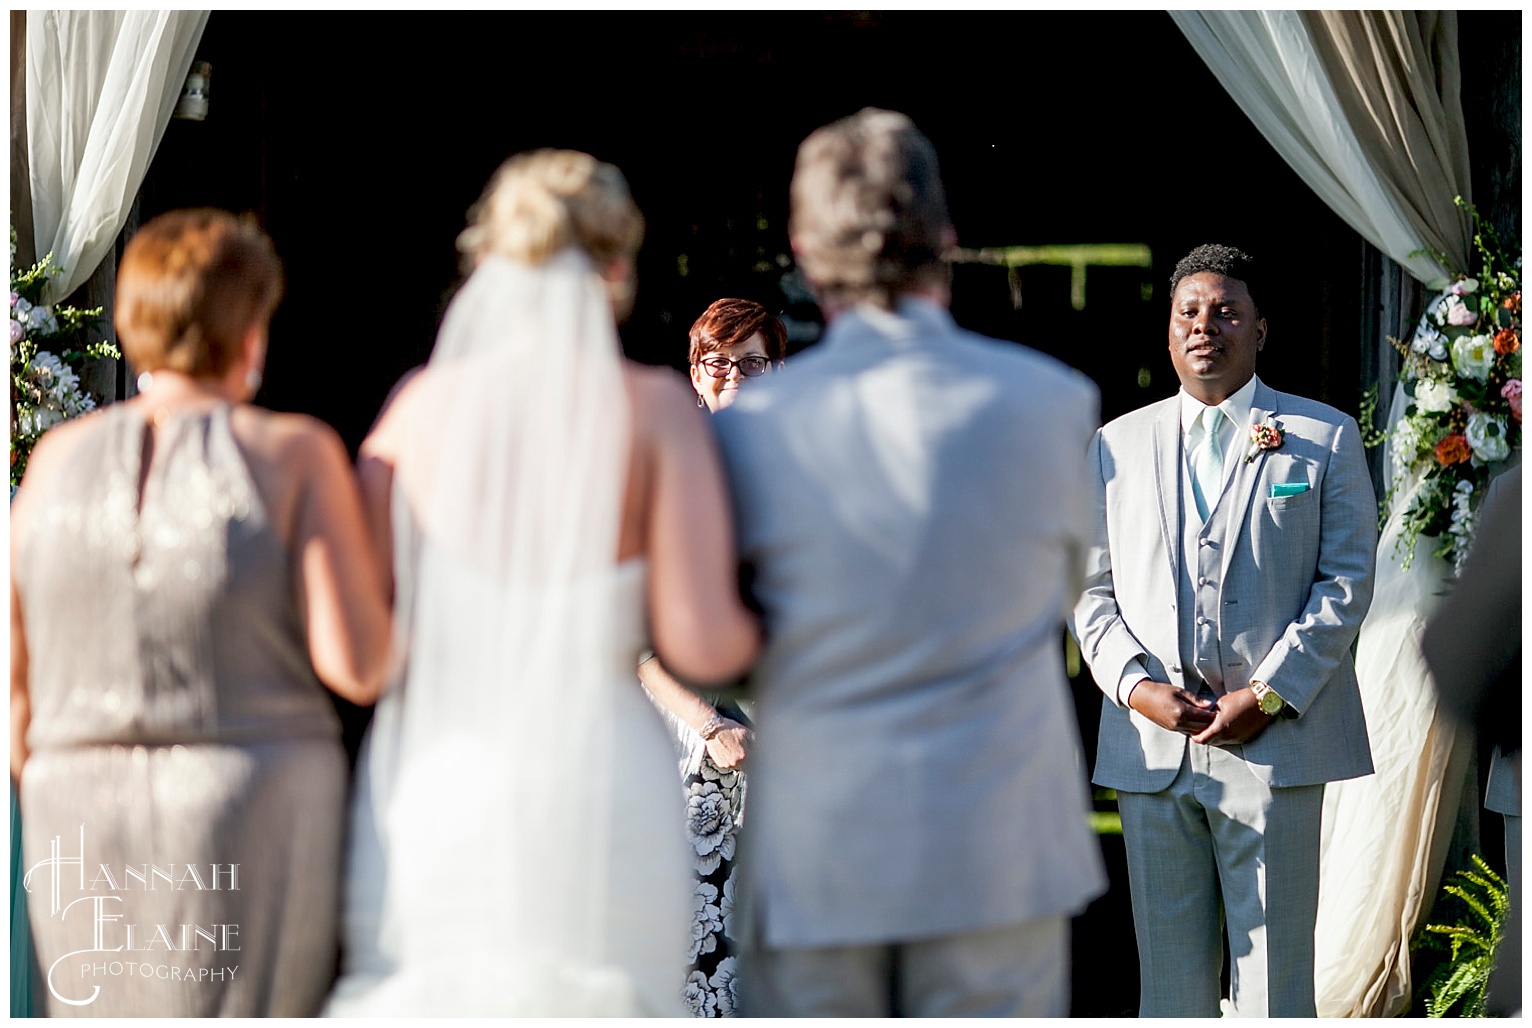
(539, 202)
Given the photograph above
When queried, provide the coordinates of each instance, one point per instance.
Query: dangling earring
(699, 401)
(253, 380)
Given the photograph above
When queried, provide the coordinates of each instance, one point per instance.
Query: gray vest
(1199, 589)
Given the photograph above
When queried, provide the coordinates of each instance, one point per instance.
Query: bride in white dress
(516, 843)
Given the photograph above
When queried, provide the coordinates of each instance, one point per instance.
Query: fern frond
(1466, 984)
(1461, 979)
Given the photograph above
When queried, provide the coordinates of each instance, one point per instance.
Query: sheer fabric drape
(101, 86)
(1366, 107)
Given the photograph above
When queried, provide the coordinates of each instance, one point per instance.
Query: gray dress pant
(1013, 971)
(1216, 846)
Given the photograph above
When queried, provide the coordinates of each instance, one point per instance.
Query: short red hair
(732, 320)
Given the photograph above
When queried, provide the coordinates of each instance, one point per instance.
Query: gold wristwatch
(1267, 699)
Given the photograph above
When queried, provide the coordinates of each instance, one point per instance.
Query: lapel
(1241, 487)
(1166, 443)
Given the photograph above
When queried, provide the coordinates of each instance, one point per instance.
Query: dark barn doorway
(361, 139)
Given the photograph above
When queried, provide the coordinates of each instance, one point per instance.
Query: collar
(1236, 408)
(912, 318)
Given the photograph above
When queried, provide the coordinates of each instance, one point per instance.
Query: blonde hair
(190, 285)
(539, 202)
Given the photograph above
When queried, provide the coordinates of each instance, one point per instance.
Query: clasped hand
(727, 747)
(1232, 718)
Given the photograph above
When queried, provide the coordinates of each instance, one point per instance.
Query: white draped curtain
(100, 89)
(1365, 106)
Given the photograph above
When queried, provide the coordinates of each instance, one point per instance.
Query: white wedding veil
(480, 868)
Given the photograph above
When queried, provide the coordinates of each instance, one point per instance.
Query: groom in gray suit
(912, 500)
(1232, 565)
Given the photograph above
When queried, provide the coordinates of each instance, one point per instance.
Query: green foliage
(50, 348)
(1479, 903)
(1367, 419)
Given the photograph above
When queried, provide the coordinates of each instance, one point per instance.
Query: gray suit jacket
(1296, 582)
(910, 498)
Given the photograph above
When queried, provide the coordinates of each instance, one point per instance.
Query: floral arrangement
(48, 352)
(1461, 371)
(1266, 436)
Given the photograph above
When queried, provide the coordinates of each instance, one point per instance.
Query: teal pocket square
(1288, 489)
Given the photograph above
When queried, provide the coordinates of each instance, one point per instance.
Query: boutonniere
(1266, 436)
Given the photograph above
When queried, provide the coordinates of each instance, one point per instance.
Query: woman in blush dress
(733, 341)
(543, 504)
(188, 574)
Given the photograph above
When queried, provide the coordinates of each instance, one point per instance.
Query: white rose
(1434, 397)
(1486, 434)
(1473, 356)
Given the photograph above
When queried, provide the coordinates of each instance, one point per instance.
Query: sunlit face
(1215, 333)
(718, 393)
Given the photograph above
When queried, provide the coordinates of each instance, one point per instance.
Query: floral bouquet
(1461, 373)
(48, 352)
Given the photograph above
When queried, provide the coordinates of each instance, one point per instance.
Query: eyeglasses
(718, 365)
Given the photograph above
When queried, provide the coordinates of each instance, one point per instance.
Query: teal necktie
(1207, 462)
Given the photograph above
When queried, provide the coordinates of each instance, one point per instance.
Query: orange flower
(1507, 341)
(1513, 302)
(1453, 450)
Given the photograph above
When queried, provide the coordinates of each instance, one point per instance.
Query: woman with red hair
(734, 340)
